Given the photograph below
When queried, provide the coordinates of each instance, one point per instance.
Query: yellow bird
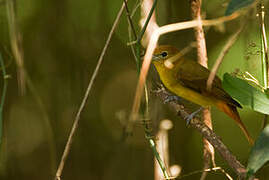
(188, 79)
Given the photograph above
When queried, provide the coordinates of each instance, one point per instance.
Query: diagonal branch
(208, 134)
(85, 98)
(220, 58)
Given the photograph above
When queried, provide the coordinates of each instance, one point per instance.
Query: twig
(85, 98)
(3, 96)
(23, 78)
(187, 49)
(16, 44)
(162, 146)
(199, 32)
(209, 153)
(207, 170)
(131, 30)
(220, 58)
(265, 46)
(130, 19)
(147, 129)
(133, 116)
(207, 133)
(265, 60)
(148, 21)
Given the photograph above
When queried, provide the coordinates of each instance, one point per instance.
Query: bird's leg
(171, 98)
(192, 115)
(160, 88)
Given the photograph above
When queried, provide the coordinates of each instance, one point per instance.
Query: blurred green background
(61, 42)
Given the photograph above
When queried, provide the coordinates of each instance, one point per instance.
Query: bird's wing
(194, 76)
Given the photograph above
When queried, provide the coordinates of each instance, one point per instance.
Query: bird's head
(163, 53)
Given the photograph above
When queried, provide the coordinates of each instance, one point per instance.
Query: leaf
(246, 94)
(234, 5)
(259, 154)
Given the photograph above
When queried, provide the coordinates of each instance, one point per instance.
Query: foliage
(245, 94)
(260, 152)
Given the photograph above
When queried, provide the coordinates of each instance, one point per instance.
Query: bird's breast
(171, 82)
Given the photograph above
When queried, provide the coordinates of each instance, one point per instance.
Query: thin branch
(207, 133)
(199, 32)
(162, 144)
(158, 158)
(207, 170)
(130, 19)
(148, 21)
(265, 60)
(3, 96)
(221, 56)
(209, 153)
(131, 30)
(147, 129)
(187, 49)
(133, 116)
(265, 46)
(85, 98)
(23, 78)
(16, 44)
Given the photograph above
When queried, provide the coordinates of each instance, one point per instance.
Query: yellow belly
(191, 95)
(168, 77)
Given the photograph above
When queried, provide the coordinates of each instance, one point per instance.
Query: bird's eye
(164, 54)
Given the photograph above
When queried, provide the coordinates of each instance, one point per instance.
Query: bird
(188, 79)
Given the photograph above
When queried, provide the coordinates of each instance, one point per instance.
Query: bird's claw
(171, 98)
(192, 115)
(159, 89)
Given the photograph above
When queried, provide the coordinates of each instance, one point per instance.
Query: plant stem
(3, 97)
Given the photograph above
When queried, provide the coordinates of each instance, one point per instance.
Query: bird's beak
(155, 57)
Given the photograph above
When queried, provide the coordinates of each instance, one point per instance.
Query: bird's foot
(171, 98)
(159, 89)
(192, 115)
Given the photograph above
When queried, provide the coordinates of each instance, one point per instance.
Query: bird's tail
(233, 113)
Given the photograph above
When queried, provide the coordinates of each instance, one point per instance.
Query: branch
(224, 51)
(16, 44)
(209, 153)
(3, 96)
(85, 98)
(265, 46)
(208, 134)
(131, 24)
(265, 59)
(199, 32)
(147, 22)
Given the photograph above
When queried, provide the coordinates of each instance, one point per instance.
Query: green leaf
(245, 94)
(234, 5)
(259, 154)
